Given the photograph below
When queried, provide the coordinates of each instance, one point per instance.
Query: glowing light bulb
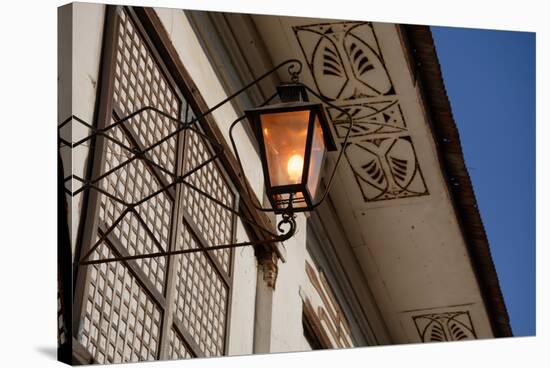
(294, 167)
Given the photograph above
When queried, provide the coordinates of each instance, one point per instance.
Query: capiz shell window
(151, 308)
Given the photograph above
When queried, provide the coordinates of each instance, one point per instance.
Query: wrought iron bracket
(287, 224)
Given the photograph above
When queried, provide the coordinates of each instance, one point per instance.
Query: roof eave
(428, 75)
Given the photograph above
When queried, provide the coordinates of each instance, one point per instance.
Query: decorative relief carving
(452, 326)
(348, 68)
(345, 60)
(386, 168)
(267, 263)
(372, 117)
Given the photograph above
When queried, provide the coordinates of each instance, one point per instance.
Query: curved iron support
(285, 236)
(294, 70)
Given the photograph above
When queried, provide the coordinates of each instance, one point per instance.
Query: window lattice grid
(176, 347)
(121, 323)
(110, 329)
(201, 297)
(213, 221)
(133, 182)
(140, 82)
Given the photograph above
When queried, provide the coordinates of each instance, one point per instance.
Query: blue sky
(490, 80)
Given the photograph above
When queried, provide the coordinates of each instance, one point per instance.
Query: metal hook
(295, 74)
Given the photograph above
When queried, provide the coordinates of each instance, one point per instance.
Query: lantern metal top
(292, 92)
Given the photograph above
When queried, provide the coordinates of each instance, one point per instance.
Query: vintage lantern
(293, 138)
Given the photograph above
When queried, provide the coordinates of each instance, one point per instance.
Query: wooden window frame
(314, 332)
(159, 43)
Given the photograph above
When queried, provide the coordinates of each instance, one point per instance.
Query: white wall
(286, 332)
(77, 83)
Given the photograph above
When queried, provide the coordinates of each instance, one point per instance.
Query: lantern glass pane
(318, 150)
(285, 136)
(298, 200)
